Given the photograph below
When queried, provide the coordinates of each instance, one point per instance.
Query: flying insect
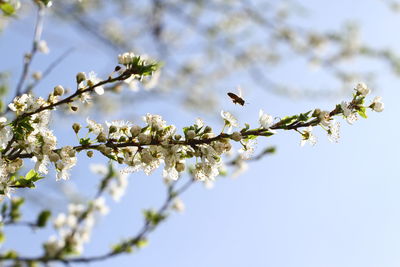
(237, 99)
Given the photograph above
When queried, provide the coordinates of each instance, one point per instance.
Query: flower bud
(135, 130)
(101, 148)
(112, 129)
(316, 112)
(178, 137)
(362, 89)
(72, 153)
(377, 104)
(76, 127)
(208, 129)
(102, 137)
(74, 108)
(58, 90)
(89, 153)
(190, 134)
(80, 77)
(54, 157)
(37, 75)
(144, 138)
(107, 150)
(236, 136)
(180, 167)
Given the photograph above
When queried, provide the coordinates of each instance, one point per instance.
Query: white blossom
(334, 131)
(94, 127)
(308, 136)
(265, 120)
(229, 120)
(154, 121)
(377, 104)
(178, 205)
(362, 89)
(348, 113)
(248, 148)
(42, 47)
(126, 58)
(93, 80)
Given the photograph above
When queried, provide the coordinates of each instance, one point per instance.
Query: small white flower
(307, 136)
(334, 132)
(351, 116)
(42, 47)
(248, 149)
(199, 123)
(99, 204)
(126, 58)
(229, 120)
(122, 127)
(265, 120)
(60, 221)
(345, 107)
(362, 89)
(93, 80)
(94, 127)
(324, 118)
(154, 121)
(178, 205)
(377, 104)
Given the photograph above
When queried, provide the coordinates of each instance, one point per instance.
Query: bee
(237, 99)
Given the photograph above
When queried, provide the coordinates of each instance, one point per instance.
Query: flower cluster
(74, 228)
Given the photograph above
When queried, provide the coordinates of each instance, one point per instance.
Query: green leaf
(362, 112)
(247, 126)
(153, 217)
(28, 181)
(122, 247)
(288, 120)
(2, 237)
(33, 176)
(142, 243)
(7, 9)
(11, 254)
(270, 150)
(43, 218)
(17, 202)
(47, 3)
(304, 116)
(22, 127)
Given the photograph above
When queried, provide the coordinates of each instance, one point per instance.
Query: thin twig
(48, 70)
(29, 58)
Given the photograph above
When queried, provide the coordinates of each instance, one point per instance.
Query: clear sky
(327, 205)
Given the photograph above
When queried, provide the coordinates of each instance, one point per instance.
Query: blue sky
(327, 205)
